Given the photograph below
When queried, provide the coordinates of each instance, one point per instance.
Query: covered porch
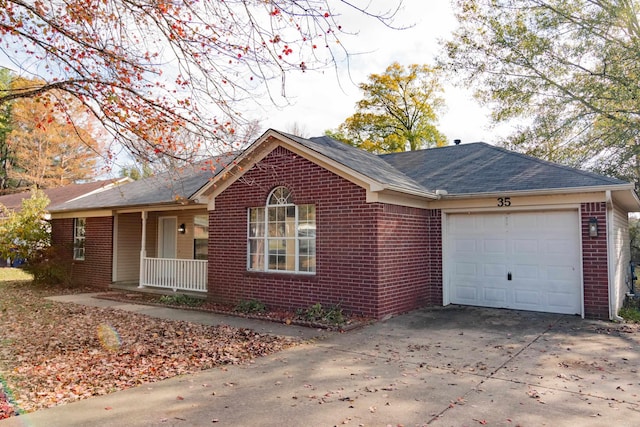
(161, 249)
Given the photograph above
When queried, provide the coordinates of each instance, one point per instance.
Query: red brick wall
(594, 262)
(62, 237)
(403, 244)
(434, 261)
(370, 257)
(96, 268)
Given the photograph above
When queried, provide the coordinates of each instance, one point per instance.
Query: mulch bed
(279, 316)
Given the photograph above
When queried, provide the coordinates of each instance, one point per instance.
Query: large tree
(563, 72)
(398, 111)
(149, 68)
(48, 149)
(5, 128)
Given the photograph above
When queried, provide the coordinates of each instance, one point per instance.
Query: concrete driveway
(455, 366)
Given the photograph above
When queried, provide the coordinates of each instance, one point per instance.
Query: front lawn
(53, 353)
(13, 274)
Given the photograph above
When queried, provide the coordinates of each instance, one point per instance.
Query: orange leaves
(139, 62)
(53, 365)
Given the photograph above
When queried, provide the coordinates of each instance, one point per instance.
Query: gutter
(608, 188)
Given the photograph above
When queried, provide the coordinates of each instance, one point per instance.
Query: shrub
(250, 306)
(48, 267)
(181, 299)
(317, 313)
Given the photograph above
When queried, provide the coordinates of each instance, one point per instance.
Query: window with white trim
(79, 225)
(282, 235)
(200, 237)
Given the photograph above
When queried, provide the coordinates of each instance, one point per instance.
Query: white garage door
(524, 260)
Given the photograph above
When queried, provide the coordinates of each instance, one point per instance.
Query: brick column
(594, 261)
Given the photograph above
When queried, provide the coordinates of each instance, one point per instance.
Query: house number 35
(504, 201)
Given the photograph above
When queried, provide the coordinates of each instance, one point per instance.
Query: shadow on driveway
(454, 366)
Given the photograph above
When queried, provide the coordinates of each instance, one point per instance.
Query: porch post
(143, 250)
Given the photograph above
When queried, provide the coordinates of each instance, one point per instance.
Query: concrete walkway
(456, 366)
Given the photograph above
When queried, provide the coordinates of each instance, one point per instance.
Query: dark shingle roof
(165, 188)
(483, 168)
(464, 169)
(363, 162)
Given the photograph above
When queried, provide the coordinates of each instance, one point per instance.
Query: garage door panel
(564, 273)
(494, 296)
(494, 246)
(528, 298)
(528, 246)
(541, 250)
(465, 245)
(466, 293)
(495, 271)
(466, 269)
(526, 271)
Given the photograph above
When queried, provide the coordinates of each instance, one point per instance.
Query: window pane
(277, 254)
(256, 230)
(280, 196)
(201, 227)
(256, 215)
(307, 213)
(307, 257)
(78, 238)
(256, 254)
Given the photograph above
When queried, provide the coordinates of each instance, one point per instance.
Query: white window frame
(79, 238)
(265, 238)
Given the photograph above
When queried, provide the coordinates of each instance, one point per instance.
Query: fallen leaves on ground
(54, 353)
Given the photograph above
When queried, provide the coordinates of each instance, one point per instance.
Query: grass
(630, 314)
(14, 275)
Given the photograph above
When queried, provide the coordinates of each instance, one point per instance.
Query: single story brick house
(293, 221)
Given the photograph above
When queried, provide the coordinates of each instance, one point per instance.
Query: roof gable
(482, 168)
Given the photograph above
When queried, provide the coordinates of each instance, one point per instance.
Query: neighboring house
(13, 202)
(59, 195)
(293, 222)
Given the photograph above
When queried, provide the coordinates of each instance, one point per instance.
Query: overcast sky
(319, 101)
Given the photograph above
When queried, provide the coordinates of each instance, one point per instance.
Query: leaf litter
(54, 353)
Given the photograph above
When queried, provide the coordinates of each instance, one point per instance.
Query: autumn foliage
(149, 69)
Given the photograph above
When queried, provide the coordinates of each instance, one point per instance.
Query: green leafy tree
(564, 71)
(634, 232)
(136, 172)
(25, 233)
(398, 111)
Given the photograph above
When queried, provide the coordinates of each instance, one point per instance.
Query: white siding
(620, 259)
(128, 247)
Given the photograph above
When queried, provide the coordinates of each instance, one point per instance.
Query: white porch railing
(175, 274)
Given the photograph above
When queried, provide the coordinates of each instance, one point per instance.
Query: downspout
(143, 249)
(611, 256)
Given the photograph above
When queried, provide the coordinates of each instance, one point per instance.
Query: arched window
(282, 235)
